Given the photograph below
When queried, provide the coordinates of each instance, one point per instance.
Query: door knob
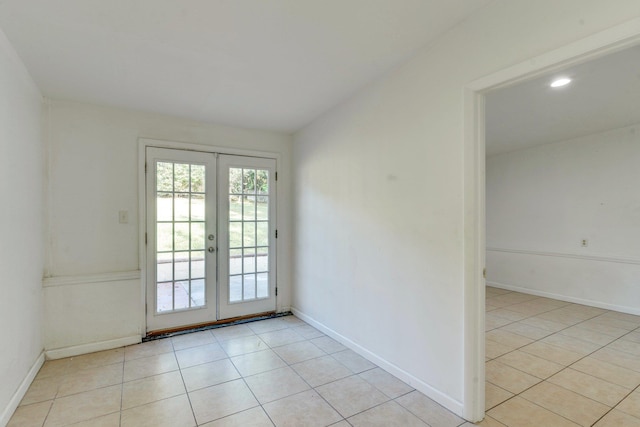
(211, 249)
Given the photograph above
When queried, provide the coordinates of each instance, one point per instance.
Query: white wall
(93, 289)
(541, 203)
(379, 184)
(21, 229)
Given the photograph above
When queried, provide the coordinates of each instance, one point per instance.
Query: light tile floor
(549, 363)
(279, 372)
(553, 363)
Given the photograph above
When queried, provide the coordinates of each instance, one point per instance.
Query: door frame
(143, 143)
(596, 45)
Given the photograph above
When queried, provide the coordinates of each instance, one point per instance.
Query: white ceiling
(604, 94)
(268, 64)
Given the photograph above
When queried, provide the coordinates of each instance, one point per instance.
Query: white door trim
(593, 46)
(143, 143)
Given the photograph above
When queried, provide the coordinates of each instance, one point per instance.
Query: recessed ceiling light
(563, 81)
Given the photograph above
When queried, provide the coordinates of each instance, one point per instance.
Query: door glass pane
(262, 285)
(197, 265)
(181, 203)
(262, 208)
(164, 207)
(248, 234)
(235, 208)
(235, 288)
(180, 236)
(197, 207)
(249, 286)
(235, 261)
(248, 208)
(249, 260)
(197, 235)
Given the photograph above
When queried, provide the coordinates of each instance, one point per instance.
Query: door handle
(211, 249)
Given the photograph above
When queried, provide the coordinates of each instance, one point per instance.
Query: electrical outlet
(123, 217)
(584, 243)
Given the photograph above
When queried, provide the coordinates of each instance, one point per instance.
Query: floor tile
(566, 403)
(100, 358)
(494, 350)
(518, 412)
(199, 355)
(254, 417)
(525, 330)
(303, 409)
(308, 331)
(111, 420)
(631, 404)
(593, 388)
(618, 358)
(148, 366)
(30, 415)
(292, 321)
(146, 349)
(298, 352)
(587, 335)
(604, 328)
(90, 379)
(549, 325)
(276, 384)
(208, 374)
(494, 395)
(429, 411)
(575, 345)
(507, 338)
(353, 361)
(509, 378)
(281, 337)
(321, 370)
(54, 368)
(606, 371)
(387, 414)
(487, 422)
(552, 353)
(243, 345)
(151, 389)
(351, 395)
(385, 382)
(193, 339)
(625, 346)
(328, 344)
(221, 400)
(84, 406)
(231, 332)
(171, 412)
(255, 363)
(42, 390)
(617, 418)
(531, 364)
(267, 325)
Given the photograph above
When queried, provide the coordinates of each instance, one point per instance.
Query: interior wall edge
(19, 394)
(447, 401)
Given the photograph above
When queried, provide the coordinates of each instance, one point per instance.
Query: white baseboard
(77, 350)
(7, 413)
(567, 298)
(443, 399)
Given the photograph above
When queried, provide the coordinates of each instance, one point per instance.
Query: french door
(210, 237)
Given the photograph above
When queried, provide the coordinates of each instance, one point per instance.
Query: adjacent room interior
(562, 150)
(347, 129)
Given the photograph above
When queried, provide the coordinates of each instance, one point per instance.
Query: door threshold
(172, 332)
